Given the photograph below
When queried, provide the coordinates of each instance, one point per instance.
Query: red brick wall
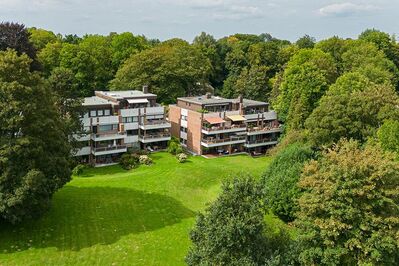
(174, 119)
(194, 124)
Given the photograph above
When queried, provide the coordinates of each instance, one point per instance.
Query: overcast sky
(164, 19)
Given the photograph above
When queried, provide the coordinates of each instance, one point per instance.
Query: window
(183, 129)
(132, 132)
(104, 128)
(107, 112)
(93, 113)
(130, 119)
(100, 112)
(184, 118)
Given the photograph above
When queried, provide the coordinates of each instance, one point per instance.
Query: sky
(165, 19)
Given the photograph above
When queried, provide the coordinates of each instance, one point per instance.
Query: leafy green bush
(78, 170)
(174, 146)
(144, 159)
(281, 178)
(181, 157)
(129, 161)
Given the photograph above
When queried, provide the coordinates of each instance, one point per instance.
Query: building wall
(188, 105)
(194, 126)
(174, 119)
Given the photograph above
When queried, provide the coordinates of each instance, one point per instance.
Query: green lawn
(110, 216)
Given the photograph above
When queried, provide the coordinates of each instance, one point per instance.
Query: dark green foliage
(15, 36)
(171, 69)
(306, 42)
(354, 108)
(280, 180)
(129, 161)
(349, 212)
(231, 230)
(34, 148)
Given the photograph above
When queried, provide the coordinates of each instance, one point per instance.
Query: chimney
(208, 95)
(145, 89)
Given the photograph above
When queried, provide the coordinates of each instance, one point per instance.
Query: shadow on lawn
(83, 217)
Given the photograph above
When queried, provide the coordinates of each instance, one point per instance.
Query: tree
(209, 47)
(349, 210)
(34, 148)
(15, 36)
(124, 45)
(50, 57)
(40, 38)
(253, 83)
(171, 69)
(232, 231)
(306, 42)
(354, 108)
(388, 136)
(305, 80)
(384, 43)
(280, 181)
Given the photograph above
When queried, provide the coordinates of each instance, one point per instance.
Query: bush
(281, 178)
(174, 146)
(181, 157)
(144, 159)
(78, 170)
(129, 161)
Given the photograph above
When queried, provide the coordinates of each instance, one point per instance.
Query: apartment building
(213, 125)
(118, 120)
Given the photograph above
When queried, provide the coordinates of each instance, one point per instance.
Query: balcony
(156, 124)
(260, 143)
(223, 129)
(263, 130)
(104, 120)
(108, 136)
(109, 150)
(155, 137)
(210, 142)
(82, 151)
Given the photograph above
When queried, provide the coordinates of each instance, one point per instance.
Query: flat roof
(95, 100)
(119, 95)
(214, 100)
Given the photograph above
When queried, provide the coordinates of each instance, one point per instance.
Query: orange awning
(214, 120)
(236, 118)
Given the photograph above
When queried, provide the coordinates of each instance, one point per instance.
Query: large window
(130, 119)
(104, 128)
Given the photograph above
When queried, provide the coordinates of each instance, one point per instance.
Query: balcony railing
(156, 136)
(265, 129)
(107, 134)
(219, 128)
(215, 141)
(258, 141)
(110, 148)
(154, 122)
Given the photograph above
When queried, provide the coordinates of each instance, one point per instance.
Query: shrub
(144, 159)
(129, 161)
(174, 146)
(78, 170)
(181, 157)
(281, 178)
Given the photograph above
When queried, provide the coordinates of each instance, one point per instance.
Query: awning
(137, 101)
(236, 118)
(214, 120)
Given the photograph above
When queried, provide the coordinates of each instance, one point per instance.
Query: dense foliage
(281, 178)
(232, 230)
(349, 212)
(34, 147)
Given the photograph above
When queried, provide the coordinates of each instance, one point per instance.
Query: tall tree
(354, 108)
(232, 230)
(388, 136)
(171, 69)
(280, 181)
(15, 36)
(349, 210)
(306, 42)
(34, 148)
(40, 37)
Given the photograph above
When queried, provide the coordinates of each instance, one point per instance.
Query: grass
(109, 216)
